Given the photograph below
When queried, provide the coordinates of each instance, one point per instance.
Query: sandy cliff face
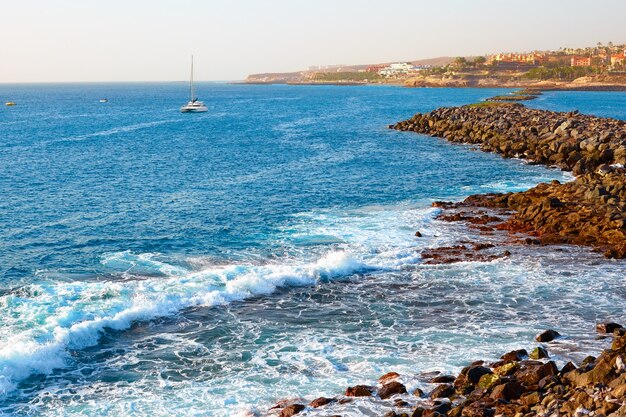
(608, 82)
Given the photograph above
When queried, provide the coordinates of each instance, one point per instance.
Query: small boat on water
(104, 100)
(10, 103)
(194, 105)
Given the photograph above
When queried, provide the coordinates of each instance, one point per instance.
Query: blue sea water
(158, 263)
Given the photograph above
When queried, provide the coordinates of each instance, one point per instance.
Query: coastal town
(598, 65)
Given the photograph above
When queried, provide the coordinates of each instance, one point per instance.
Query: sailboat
(194, 105)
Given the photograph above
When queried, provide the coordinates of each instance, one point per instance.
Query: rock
(589, 360)
(442, 379)
(619, 342)
(321, 401)
(440, 409)
(547, 336)
(515, 355)
(442, 391)
(399, 402)
(539, 353)
(389, 376)
(568, 367)
(291, 410)
(474, 374)
(478, 409)
(592, 147)
(360, 391)
(530, 399)
(507, 391)
(487, 381)
(481, 246)
(391, 388)
(418, 412)
(418, 392)
(507, 369)
(608, 327)
(532, 372)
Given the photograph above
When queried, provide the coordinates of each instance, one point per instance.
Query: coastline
(519, 384)
(538, 86)
(588, 211)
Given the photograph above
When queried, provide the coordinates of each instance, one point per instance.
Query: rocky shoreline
(591, 210)
(520, 384)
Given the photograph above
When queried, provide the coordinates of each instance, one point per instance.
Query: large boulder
(390, 389)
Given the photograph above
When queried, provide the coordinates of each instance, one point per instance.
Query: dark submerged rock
(442, 379)
(608, 327)
(321, 401)
(547, 336)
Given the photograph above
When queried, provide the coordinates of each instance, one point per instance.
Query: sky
(151, 40)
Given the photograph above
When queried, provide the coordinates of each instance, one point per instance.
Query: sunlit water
(158, 263)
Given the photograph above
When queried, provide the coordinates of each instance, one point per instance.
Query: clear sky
(151, 40)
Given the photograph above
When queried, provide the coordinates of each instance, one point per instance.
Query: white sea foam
(40, 331)
(66, 316)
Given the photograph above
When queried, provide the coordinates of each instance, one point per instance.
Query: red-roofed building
(579, 61)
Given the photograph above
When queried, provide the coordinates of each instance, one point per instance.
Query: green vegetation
(527, 92)
(512, 97)
(346, 76)
(488, 104)
(480, 60)
(560, 73)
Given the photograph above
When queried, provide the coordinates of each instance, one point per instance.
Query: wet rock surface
(591, 210)
(515, 386)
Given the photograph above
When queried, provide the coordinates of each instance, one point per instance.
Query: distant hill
(304, 76)
(434, 62)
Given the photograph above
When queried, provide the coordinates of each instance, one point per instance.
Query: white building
(396, 69)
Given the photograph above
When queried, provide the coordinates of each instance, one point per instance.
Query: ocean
(166, 264)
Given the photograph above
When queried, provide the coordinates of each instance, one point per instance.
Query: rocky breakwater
(520, 384)
(591, 210)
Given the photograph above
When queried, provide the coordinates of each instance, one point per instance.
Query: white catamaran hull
(197, 107)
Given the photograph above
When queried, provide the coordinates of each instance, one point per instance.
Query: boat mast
(191, 92)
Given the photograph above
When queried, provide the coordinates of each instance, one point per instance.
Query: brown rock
(389, 376)
(321, 401)
(608, 327)
(442, 391)
(478, 409)
(399, 402)
(442, 379)
(532, 372)
(507, 391)
(515, 355)
(418, 392)
(418, 412)
(539, 353)
(391, 388)
(568, 367)
(440, 409)
(360, 391)
(506, 369)
(291, 410)
(530, 399)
